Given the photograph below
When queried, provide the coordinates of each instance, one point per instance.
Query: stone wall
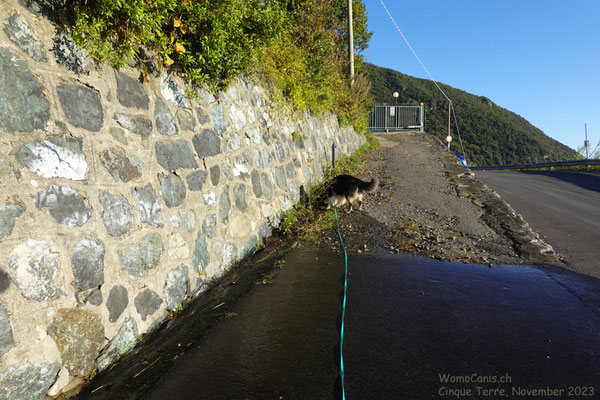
(121, 200)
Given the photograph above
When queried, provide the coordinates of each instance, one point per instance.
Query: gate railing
(397, 118)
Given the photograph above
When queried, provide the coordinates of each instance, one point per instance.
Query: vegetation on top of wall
(209, 41)
(491, 135)
(298, 47)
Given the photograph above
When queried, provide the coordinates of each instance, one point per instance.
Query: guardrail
(570, 163)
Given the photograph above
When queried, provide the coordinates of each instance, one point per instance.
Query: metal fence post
(333, 154)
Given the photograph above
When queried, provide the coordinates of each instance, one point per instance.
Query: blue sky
(537, 58)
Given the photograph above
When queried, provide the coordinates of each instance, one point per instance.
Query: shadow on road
(411, 323)
(586, 180)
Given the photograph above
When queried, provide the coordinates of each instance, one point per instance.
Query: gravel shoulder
(429, 204)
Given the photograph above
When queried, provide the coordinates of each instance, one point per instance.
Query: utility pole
(586, 144)
(351, 43)
(449, 111)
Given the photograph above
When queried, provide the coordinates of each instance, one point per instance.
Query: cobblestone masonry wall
(120, 200)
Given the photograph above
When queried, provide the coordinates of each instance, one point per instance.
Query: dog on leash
(346, 189)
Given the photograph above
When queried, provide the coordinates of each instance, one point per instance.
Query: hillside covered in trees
(490, 134)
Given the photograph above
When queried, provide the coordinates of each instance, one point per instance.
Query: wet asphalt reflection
(415, 329)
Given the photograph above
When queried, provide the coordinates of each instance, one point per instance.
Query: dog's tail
(370, 186)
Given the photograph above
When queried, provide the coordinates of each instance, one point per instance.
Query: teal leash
(343, 304)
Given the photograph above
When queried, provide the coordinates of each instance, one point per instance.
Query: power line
(428, 73)
(415, 54)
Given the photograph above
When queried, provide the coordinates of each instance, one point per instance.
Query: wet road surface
(410, 324)
(562, 206)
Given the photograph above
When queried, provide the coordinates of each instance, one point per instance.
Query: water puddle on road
(415, 328)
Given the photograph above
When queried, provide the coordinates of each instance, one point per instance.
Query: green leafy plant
(298, 47)
(209, 41)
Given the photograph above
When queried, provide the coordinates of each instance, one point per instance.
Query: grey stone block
(176, 287)
(18, 30)
(69, 55)
(147, 302)
(264, 231)
(258, 161)
(32, 268)
(215, 174)
(172, 156)
(290, 171)
(165, 122)
(196, 179)
(280, 178)
(234, 142)
(190, 221)
(256, 184)
(227, 172)
(173, 93)
(224, 205)
(267, 158)
(87, 260)
(218, 120)
(239, 195)
(203, 117)
(137, 259)
(186, 120)
(254, 135)
(201, 256)
(130, 92)
(8, 216)
(122, 343)
(237, 117)
(82, 106)
(117, 215)
(247, 156)
(279, 151)
(265, 137)
(248, 247)
(210, 225)
(207, 143)
(94, 297)
(4, 281)
(26, 382)
(266, 185)
(150, 211)
(23, 106)
(54, 157)
(138, 124)
(7, 340)
(240, 168)
(117, 302)
(173, 189)
(307, 177)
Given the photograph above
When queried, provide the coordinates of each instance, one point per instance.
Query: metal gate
(397, 118)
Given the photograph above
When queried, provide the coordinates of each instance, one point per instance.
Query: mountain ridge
(491, 134)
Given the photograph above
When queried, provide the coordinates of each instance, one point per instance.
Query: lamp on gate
(448, 139)
(396, 94)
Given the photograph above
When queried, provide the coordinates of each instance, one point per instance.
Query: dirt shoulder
(429, 204)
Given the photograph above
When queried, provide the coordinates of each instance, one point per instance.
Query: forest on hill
(490, 134)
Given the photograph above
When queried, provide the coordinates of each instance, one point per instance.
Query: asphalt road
(415, 328)
(564, 207)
